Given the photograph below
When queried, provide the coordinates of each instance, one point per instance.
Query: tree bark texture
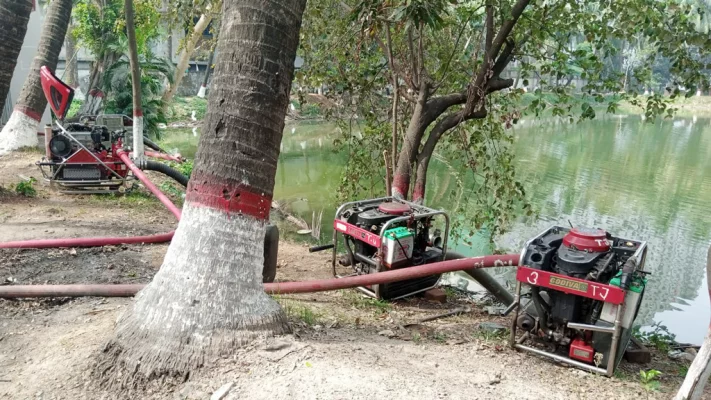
(21, 129)
(207, 298)
(185, 54)
(138, 155)
(71, 71)
(14, 16)
(94, 97)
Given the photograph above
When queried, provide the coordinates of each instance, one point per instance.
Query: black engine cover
(373, 217)
(576, 263)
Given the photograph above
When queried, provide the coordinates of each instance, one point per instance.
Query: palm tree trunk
(138, 155)
(14, 16)
(21, 129)
(207, 298)
(203, 87)
(185, 55)
(71, 72)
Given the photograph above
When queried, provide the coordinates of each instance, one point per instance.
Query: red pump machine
(81, 155)
(584, 287)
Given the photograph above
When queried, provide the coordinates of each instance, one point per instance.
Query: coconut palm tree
(21, 129)
(14, 16)
(207, 298)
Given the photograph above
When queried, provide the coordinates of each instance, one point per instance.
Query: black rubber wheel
(271, 248)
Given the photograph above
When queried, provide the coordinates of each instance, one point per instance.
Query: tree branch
(396, 98)
(489, 31)
(413, 63)
(420, 53)
(440, 104)
(504, 58)
(476, 92)
(423, 159)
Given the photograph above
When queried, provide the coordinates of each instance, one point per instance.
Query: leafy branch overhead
(468, 70)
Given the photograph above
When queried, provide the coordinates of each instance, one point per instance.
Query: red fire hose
(106, 241)
(27, 291)
(87, 242)
(149, 185)
(163, 156)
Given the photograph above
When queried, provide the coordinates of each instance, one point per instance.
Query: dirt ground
(344, 346)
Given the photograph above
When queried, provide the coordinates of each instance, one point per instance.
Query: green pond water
(644, 181)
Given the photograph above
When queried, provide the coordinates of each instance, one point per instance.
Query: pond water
(638, 180)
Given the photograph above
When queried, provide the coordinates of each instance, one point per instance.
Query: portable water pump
(82, 157)
(387, 233)
(585, 290)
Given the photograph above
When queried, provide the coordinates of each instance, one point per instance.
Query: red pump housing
(587, 239)
(58, 94)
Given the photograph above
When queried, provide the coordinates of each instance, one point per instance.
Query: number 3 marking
(532, 278)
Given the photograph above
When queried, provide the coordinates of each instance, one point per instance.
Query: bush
(119, 90)
(26, 187)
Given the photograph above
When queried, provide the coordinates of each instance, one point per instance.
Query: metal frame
(616, 330)
(88, 183)
(378, 265)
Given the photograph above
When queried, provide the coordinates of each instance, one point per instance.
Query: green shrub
(26, 187)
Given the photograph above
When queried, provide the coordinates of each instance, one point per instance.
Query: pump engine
(387, 233)
(586, 288)
(81, 155)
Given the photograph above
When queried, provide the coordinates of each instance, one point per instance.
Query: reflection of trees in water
(641, 181)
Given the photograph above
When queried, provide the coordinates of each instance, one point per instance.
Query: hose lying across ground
(28, 291)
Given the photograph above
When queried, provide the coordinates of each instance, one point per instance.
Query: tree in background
(137, 113)
(181, 12)
(207, 299)
(100, 28)
(119, 90)
(21, 129)
(14, 16)
(206, 78)
(71, 69)
(447, 70)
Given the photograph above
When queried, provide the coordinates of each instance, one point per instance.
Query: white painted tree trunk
(138, 151)
(188, 49)
(206, 300)
(20, 131)
(693, 386)
(202, 91)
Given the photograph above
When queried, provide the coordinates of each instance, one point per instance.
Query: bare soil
(344, 346)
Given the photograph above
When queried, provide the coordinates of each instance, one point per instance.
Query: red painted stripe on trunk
(401, 184)
(229, 199)
(29, 112)
(137, 113)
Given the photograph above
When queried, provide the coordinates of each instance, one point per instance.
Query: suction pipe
(473, 263)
